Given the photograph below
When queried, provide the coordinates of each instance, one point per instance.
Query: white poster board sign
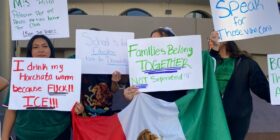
(165, 64)
(102, 52)
(273, 62)
(45, 84)
(31, 17)
(243, 19)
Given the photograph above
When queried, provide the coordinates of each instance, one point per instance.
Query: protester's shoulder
(249, 61)
(207, 56)
(206, 53)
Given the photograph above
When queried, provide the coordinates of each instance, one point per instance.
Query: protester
(169, 96)
(237, 74)
(37, 124)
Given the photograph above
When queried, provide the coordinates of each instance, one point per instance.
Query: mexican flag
(198, 115)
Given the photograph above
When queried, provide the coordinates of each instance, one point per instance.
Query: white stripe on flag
(147, 112)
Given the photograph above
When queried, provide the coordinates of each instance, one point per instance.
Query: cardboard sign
(273, 61)
(165, 64)
(102, 52)
(31, 17)
(45, 84)
(243, 19)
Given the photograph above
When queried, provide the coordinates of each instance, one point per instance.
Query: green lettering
(186, 64)
(162, 78)
(179, 50)
(21, 3)
(53, 17)
(275, 78)
(277, 91)
(190, 52)
(272, 63)
(165, 63)
(17, 3)
(170, 49)
(45, 1)
(138, 80)
(132, 49)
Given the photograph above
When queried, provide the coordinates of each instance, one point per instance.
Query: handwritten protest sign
(273, 61)
(31, 17)
(102, 52)
(243, 19)
(165, 64)
(45, 83)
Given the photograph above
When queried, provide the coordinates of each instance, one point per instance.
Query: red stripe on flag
(97, 128)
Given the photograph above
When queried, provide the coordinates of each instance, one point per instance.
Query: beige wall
(155, 9)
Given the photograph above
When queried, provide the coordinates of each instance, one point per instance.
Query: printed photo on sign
(31, 17)
(102, 52)
(244, 19)
(45, 84)
(273, 61)
(165, 64)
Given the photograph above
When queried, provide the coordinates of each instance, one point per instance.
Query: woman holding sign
(37, 124)
(237, 74)
(169, 96)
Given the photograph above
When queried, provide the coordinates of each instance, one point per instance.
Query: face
(156, 35)
(223, 45)
(40, 48)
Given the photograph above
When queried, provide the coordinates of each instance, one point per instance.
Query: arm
(114, 87)
(214, 45)
(3, 83)
(10, 117)
(116, 77)
(213, 41)
(258, 82)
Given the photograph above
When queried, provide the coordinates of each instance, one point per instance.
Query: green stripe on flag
(201, 112)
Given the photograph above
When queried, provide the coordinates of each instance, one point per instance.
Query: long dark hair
(29, 45)
(163, 31)
(234, 51)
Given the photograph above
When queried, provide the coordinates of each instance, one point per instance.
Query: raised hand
(214, 41)
(116, 76)
(79, 108)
